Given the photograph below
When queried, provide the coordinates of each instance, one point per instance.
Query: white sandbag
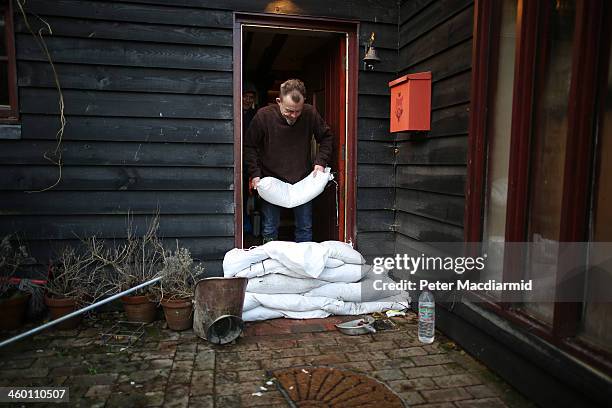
(357, 308)
(288, 195)
(300, 303)
(277, 283)
(329, 307)
(344, 252)
(345, 273)
(250, 301)
(370, 289)
(301, 257)
(265, 267)
(272, 266)
(349, 292)
(262, 313)
(237, 260)
(290, 301)
(305, 258)
(333, 263)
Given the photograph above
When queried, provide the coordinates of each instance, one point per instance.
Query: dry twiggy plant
(69, 274)
(133, 262)
(179, 274)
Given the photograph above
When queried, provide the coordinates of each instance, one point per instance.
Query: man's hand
(317, 169)
(254, 183)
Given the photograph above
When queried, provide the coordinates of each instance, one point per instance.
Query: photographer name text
(424, 284)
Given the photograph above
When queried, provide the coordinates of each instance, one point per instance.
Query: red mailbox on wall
(411, 102)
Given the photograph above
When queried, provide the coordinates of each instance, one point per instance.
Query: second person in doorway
(277, 144)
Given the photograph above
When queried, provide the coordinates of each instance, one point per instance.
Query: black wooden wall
(434, 35)
(147, 86)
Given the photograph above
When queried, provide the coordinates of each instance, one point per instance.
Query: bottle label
(426, 313)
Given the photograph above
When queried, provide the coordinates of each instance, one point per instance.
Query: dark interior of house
(270, 56)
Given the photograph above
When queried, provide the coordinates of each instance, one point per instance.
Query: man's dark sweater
(274, 148)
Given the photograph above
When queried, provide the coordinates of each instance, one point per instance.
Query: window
(8, 77)
(540, 161)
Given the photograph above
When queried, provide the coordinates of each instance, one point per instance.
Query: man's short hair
(293, 87)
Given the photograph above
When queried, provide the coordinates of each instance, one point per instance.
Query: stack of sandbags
(309, 280)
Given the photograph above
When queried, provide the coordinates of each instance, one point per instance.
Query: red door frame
(347, 217)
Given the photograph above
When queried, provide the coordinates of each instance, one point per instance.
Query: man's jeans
(271, 220)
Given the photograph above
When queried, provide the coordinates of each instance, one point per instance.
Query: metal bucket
(218, 309)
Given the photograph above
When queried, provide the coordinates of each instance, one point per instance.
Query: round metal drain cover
(316, 387)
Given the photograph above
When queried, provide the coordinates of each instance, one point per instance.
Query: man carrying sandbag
(277, 144)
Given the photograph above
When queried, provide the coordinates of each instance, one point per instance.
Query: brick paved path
(173, 369)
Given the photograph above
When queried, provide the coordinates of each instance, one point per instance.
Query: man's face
(247, 100)
(290, 110)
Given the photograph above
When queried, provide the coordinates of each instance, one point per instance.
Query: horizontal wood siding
(148, 102)
(147, 87)
(436, 36)
(375, 149)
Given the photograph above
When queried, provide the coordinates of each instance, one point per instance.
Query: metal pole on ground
(77, 312)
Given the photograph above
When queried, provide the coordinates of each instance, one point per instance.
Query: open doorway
(269, 55)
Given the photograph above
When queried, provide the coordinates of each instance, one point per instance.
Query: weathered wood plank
(119, 154)
(441, 207)
(424, 229)
(120, 30)
(411, 8)
(146, 13)
(204, 248)
(445, 122)
(385, 34)
(114, 226)
(375, 83)
(117, 129)
(117, 202)
(430, 17)
(371, 106)
(444, 151)
(452, 91)
(371, 10)
(375, 152)
(375, 198)
(126, 53)
(100, 103)
(370, 175)
(99, 178)
(374, 244)
(201, 248)
(450, 121)
(440, 179)
(375, 220)
(373, 129)
(213, 268)
(413, 247)
(450, 62)
(134, 79)
(452, 32)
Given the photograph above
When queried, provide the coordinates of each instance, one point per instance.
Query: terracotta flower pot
(179, 313)
(139, 308)
(13, 311)
(59, 307)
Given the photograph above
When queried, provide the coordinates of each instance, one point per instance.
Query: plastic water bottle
(427, 317)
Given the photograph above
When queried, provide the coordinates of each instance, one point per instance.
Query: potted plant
(13, 302)
(133, 262)
(179, 274)
(65, 288)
